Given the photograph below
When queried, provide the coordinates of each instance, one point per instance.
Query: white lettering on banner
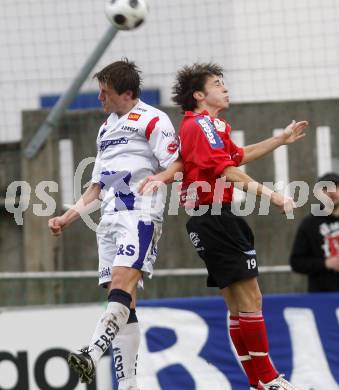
(190, 342)
(34, 358)
(310, 366)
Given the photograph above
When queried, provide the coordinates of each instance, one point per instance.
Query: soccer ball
(126, 14)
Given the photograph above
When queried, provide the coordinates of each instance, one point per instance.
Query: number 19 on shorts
(251, 263)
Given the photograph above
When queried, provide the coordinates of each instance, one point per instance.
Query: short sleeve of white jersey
(163, 140)
(96, 174)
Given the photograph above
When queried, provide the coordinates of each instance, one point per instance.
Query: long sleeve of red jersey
(236, 152)
(203, 146)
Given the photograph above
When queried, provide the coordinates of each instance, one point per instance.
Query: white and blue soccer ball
(126, 14)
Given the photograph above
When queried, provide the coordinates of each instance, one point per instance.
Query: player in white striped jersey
(136, 141)
(131, 147)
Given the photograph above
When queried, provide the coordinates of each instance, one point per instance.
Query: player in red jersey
(223, 240)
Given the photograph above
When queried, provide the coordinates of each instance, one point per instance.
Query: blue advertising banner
(185, 343)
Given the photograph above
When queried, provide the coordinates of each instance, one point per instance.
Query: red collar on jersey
(205, 112)
(192, 113)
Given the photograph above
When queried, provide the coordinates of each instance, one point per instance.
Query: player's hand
(332, 263)
(56, 225)
(151, 184)
(284, 203)
(293, 132)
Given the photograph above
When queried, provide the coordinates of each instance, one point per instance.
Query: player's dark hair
(330, 176)
(190, 79)
(122, 76)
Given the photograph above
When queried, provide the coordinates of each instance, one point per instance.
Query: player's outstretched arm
(151, 183)
(244, 182)
(292, 133)
(88, 202)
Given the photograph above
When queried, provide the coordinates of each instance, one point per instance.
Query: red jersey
(206, 150)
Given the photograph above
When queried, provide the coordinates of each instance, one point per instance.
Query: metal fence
(60, 287)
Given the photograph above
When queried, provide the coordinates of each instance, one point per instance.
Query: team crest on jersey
(133, 116)
(210, 133)
(220, 125)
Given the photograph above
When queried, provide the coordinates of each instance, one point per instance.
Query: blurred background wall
(278, 50)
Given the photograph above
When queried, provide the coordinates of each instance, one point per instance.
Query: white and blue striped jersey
(138, 144)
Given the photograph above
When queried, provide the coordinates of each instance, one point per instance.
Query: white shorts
(126, 239)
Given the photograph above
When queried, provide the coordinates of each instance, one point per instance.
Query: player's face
(111, 101)
(216, 94)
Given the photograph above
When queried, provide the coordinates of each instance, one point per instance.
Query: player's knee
(120, 280)
(125, 278)
(257, 301)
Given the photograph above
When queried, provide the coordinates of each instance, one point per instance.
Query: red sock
(253, 331)
(244, 357)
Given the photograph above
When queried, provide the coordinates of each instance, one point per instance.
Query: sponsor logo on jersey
(133, 116)
(210, 133)
(141, 109)
(112, 142)
(168, 133)
(172, 147)
(129, 128)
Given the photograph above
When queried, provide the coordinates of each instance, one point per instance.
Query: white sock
(125, 349)
(112, 320)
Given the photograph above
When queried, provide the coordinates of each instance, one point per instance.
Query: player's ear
(128, 94)
(198, 95)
